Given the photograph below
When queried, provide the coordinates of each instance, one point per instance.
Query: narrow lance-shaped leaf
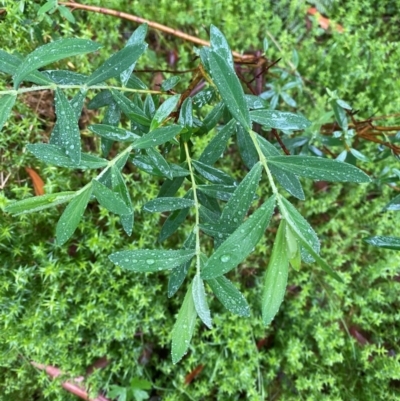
(320, 169)
(72, 215)
(70, 137)
(220, 46)
(164, 111)
(184, 327)
(276, 277)
(129, 108)
(37, 203)
(113, 133)
(240, 244)
(293, 249)
(6, 105)
(200, 302)
(167, 204)
(230, 88)
(229, 296)
(279, 119)
(384, 242)
(213, 174)
(52, 52)
(186, 113)
(148, 260)
(247, 150)
(157, 137)
(117, 63)
(109, 199)
(160, 163)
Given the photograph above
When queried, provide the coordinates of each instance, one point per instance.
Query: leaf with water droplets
(109, 199)
(65, 77)
(213, 174)
(6, 105)
(117, 63)
(384, 242)
(170, 83)
(148, 260)
(157, 137)
(279, 119)
(160, 163)
(148, 165)
(113, 133)
(293, 249)
(220, 45)
(240, 244)
(200, 302)
(320, 169)
(50, 53)
(276, 277)
(247, 150)
(229, 296)
(72, 215)
(217, 145)
(167, 204)
(394, 204)
(184, 327)
(130, 109)
(186, 113)
(164, 111)
(36, 203)
(217, 191)
(230, 89)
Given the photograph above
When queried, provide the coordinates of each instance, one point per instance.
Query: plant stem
(196, 206)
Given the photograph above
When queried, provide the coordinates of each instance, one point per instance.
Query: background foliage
(69, 305)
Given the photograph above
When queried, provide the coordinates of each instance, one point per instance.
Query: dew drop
(225, 258)
(150, 261)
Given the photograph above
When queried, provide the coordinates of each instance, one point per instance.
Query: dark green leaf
(146, 164)
(109, 199)
(151, 260)
(200, 302)
(229, 296)
(220, 46)
(340, 115)
(65, 77)
(117, 63)
(113, 133)
(230, 88)
(6, 105)
(186, 113)
(52, 52)
(279, 119)
(169, 83)
(164, 111)
(37, 203)
(103, 98)
(289, 181)
(66, 13)
(276, 277)
(160, 163)
(384, 242)
(212, 174)
(217, 145)
(255, 102)
(203, 97)
(72, 215)
(130, 109)
(319, 169)
(212, 118)
(240, 244)
(222, 192)
(54, 155)
(157, 137)
(247, 150)
(184, 327)
(167, 204)
(170, 187)
(394, 204)
(112, 117)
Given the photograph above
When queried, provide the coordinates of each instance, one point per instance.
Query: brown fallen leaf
(323, 22)
(193, 374)
(38, 184)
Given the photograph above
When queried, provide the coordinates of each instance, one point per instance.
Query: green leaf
(167, 204)
(279, 119)
(170, 83)
(340, 115)
(6, 105)
(130, 109)
(240, 244)
(117, 63)
(212, 174)
(394, 204)
(113, 133)
(358, 155)
(247, 150)
(120, 188)
(220, 46)
(170, 187)
(157, 137)
(160, 163)
(229, 88)
(186, 113)
(102, 99)
(212, 118)
(200, 302)
(217, 191)
(136, 38)
(50, 53)
(52, 154)
(319, 169)
(184, 327)
(217, 145)
(276, 277)
(9, 63)
(37, 203)
(65, 77)
(72, 215)
(384, 242)
(109, 199)
(70, 137)
(66, 13)
(149, 260)
(178, 274)
(146, 164)
(239, 203)
(164, 111)
(229, 296)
